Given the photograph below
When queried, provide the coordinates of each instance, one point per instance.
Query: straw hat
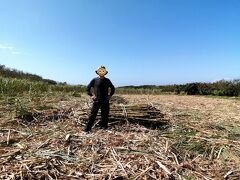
(101, 70)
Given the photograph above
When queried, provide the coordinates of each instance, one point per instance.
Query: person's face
(101, 72)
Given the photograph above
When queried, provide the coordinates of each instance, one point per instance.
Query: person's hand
(93, 97)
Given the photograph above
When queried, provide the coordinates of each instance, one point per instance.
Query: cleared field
(200, 110)
(42, 138)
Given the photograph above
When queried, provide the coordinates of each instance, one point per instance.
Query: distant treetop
(14, 73)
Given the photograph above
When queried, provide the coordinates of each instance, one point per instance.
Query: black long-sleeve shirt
(101, 87)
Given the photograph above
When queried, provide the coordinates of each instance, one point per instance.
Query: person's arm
(89, 86)
(112, 88)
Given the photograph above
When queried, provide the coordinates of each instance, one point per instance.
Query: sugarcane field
(119, 89)
(149, 137)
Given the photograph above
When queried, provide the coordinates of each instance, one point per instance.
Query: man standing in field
(100, 98)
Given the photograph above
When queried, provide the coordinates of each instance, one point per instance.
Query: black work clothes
(104, 105)
(101, 92)
(101, 87)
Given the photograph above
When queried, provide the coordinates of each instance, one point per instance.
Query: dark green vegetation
(219, 88)
(14, 73)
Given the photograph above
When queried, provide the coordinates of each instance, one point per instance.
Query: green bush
(219, 88)
(192, 89)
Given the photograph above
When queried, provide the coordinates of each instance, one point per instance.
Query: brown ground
(202, 140)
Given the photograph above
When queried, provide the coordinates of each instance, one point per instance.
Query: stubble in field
(200, 141)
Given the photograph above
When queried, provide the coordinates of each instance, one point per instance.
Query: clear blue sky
(139, 41)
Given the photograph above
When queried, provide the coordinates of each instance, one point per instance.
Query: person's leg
(92, 115)
(104, 114)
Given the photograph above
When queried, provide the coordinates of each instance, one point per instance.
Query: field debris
(128, 151)
(142, 114)
(144, 141)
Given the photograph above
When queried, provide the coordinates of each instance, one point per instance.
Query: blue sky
(139, 41)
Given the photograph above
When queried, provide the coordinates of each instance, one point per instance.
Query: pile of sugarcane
(143, 114)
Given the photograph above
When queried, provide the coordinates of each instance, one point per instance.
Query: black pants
(104, 105)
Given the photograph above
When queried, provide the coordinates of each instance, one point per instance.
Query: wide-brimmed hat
(101, 68)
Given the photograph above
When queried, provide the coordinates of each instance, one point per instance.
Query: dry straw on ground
(150, 137)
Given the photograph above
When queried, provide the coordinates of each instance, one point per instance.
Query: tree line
(14, 73)
(218, 88)
(20, 83)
